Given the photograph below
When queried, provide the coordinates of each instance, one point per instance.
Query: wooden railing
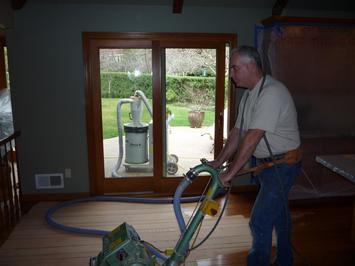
(10, 188)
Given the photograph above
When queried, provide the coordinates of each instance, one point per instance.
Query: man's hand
(225, 178)
(214, 164)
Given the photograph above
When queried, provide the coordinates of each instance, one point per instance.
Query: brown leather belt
(291, 157)
(270, 159)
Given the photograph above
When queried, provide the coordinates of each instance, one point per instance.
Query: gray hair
(249, 52)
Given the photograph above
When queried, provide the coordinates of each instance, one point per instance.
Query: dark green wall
(47, 76)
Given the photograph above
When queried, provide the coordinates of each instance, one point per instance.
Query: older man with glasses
(266, 129)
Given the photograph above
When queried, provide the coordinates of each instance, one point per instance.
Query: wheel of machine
(174, 158)
(171, 168)
(93, 261)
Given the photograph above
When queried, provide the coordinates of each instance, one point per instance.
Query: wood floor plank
(321, 233)
(34, 241)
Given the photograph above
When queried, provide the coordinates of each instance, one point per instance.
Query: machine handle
(203, 160)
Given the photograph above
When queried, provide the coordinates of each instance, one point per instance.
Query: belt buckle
(269, 159)
(264, 160)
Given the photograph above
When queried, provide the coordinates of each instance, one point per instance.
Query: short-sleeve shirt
(273, 111)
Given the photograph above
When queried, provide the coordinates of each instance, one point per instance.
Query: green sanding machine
(123, 246)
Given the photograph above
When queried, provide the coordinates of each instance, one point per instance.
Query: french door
(141, 90)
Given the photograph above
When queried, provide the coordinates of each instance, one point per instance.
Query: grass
(109, 120)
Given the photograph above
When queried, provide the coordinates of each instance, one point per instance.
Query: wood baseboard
(35, 198)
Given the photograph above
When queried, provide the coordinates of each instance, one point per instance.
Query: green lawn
(109, 120)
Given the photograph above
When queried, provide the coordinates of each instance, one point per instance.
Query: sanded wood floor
(321, 233)
(36, 243)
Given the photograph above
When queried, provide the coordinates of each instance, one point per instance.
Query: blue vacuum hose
(52, 222)
(88, 231)
(177, 206)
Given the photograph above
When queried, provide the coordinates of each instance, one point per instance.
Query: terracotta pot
(196, 118)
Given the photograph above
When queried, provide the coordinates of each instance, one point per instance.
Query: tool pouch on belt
(292, 157)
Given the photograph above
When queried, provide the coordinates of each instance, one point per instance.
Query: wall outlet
(67, 172)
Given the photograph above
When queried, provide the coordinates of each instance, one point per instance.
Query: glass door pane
(190, 89)
(126, 107)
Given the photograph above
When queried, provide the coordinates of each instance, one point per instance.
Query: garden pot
(196, 118)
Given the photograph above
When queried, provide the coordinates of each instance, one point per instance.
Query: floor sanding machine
(123, 246)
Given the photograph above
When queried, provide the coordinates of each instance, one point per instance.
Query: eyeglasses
(234, 68)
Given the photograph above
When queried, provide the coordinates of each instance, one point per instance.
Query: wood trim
(35, 198)
(162, 37)
(159, 125)
(96, 187)
(220, 79)
(177, 6)
(157, 42)
(98, 184)
(286, 19)
(232, 95)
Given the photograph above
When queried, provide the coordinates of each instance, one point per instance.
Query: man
(266, 109)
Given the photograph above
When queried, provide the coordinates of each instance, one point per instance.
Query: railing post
(10, 188)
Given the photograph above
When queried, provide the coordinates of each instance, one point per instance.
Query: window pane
(126, 100)
(190, 108)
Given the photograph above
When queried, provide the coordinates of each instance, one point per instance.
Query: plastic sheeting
(321, 186)
(317, 64)
(6, 122)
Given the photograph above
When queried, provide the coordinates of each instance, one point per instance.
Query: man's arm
(229, 148)
(247, 147)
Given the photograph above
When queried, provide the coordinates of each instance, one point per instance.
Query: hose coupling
(191, 175)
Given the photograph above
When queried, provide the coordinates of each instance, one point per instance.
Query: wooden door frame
(92, 41)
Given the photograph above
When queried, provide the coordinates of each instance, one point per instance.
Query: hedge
(186, 89)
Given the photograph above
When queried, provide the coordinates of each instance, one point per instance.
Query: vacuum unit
(138, 148)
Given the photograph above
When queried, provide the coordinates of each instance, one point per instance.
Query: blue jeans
(271, 211)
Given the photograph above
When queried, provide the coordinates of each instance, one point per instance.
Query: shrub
(171, 96)
(119, 85)
(183, 89)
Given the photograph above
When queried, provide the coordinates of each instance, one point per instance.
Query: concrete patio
(188, 144)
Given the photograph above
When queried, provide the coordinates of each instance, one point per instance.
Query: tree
(126, 60)
(197, 62)
(180, 62)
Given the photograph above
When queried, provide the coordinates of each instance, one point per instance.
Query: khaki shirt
(273, 111)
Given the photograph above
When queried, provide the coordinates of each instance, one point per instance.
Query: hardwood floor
(321, 232)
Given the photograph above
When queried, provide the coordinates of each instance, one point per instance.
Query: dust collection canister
(136, 147)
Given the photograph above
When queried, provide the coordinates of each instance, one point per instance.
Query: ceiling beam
(177, 6)
(17, 4)
(279, 7)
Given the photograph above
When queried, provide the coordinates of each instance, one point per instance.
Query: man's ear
(251, 66)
